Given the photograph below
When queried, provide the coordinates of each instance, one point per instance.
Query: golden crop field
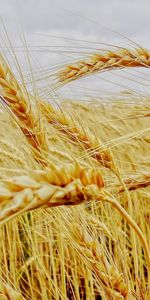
(74, 188)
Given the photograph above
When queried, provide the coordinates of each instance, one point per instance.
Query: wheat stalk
(110, 60)
(17, 99)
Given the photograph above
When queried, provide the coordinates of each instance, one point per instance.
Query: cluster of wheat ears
(50, 157)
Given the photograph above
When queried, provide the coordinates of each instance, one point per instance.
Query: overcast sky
(103, 21)
(83, 17)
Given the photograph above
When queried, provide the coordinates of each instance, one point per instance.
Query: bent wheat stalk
(17, 99)
(106, 196)
(110, 60)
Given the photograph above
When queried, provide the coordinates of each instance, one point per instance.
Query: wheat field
(75, 188)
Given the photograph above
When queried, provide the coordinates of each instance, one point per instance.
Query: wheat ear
(76, 133)
(17, 99)
(134, 183)
(69, 185)
(124, 58)
(111, 280)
